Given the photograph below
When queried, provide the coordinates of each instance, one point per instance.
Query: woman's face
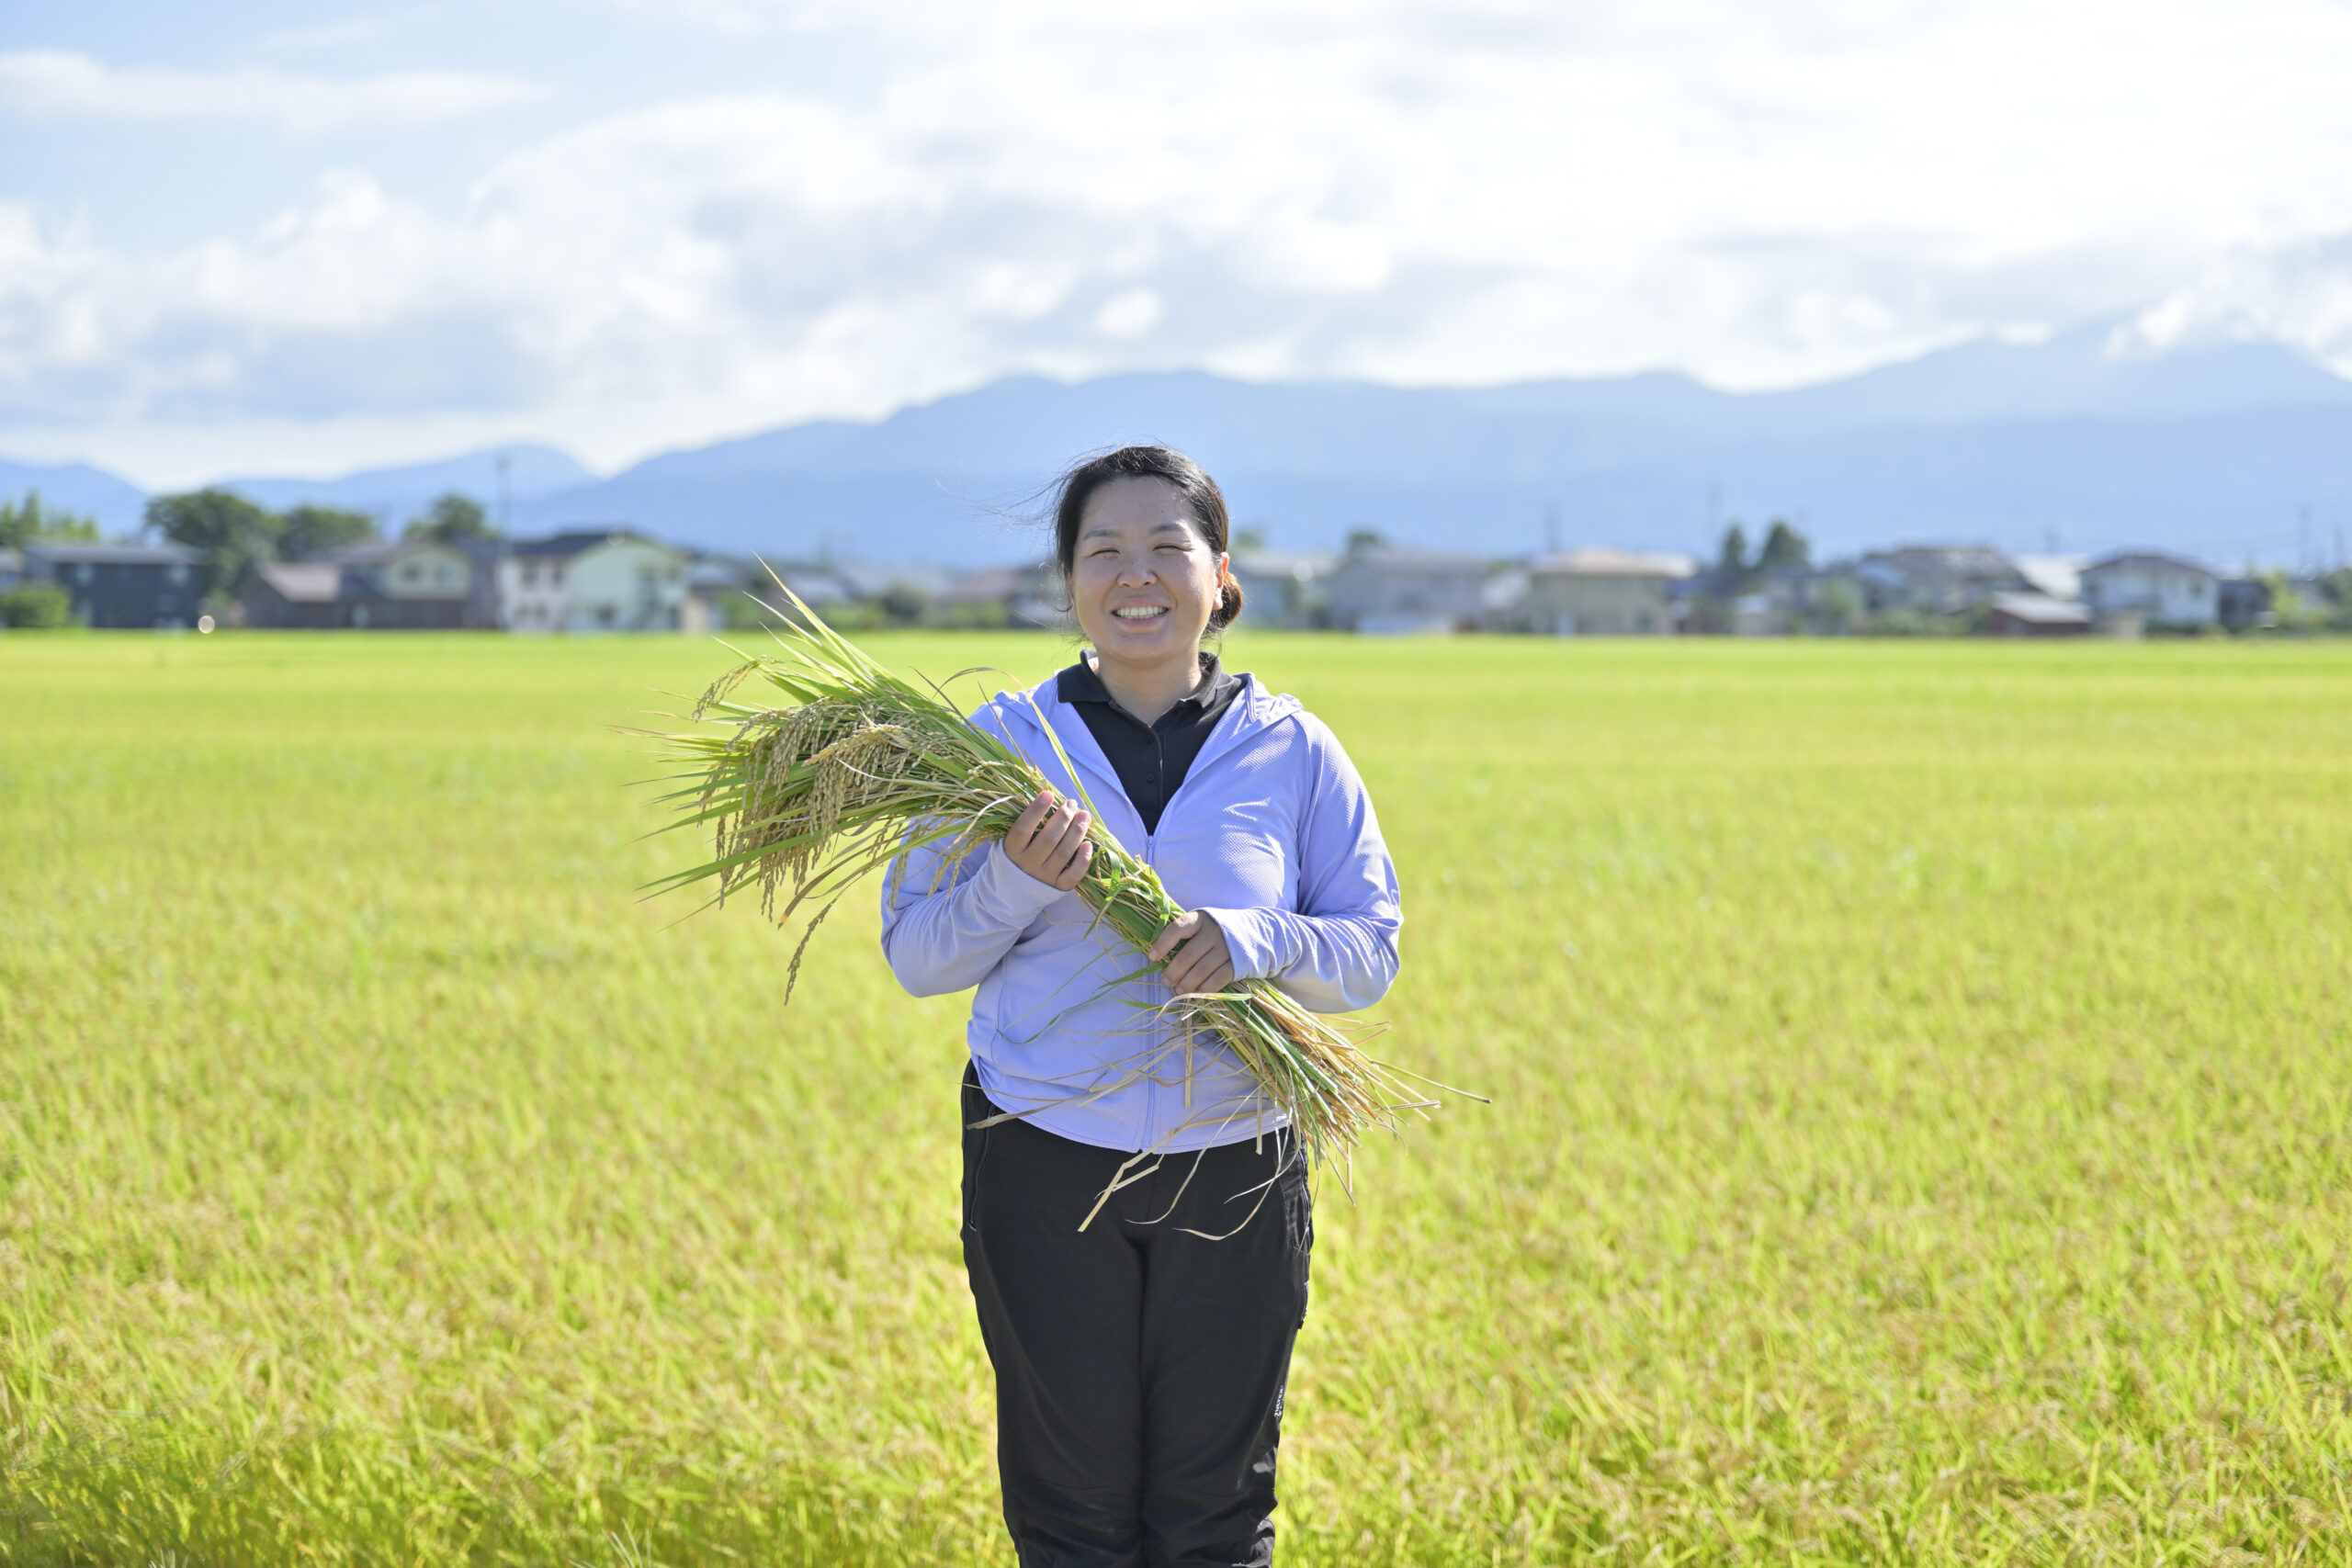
(1143, 581)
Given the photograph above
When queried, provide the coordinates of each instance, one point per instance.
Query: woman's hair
(1202, 498)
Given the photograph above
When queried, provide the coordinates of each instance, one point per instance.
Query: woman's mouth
(1140, 611)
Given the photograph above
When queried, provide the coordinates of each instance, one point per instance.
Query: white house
(2162, 590)
(1603, 592)
(1383, 591)
(593, 581)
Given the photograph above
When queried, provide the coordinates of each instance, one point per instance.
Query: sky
(251, 236)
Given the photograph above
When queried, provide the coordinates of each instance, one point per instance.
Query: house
(2243, 603)
(1603, 592)
(1390, 592)
(408, 585)
(2034, 615)
(121, 585)
(12, 568)
(1938, 580)
(1283, 591)
(592, 580)
(2160, 591)
(412, 586)
(295, 595)
(1004, 596)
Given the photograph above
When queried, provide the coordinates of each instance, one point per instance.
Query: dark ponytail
(1202, 498)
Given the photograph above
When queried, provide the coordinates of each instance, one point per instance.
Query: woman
(1136, 1222)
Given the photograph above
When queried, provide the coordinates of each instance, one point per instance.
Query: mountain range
(2227, 451)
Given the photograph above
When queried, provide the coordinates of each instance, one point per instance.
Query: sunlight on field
(1922, 1077)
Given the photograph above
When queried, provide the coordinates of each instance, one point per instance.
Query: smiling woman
(1136, 1218)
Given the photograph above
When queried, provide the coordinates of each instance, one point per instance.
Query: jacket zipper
(1150, 1088)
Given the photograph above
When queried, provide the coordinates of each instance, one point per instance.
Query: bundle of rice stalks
(857, 767)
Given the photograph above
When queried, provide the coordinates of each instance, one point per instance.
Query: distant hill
(2212, 450)
(78, 488)
(395, 495)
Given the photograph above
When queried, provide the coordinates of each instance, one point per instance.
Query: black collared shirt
(1151, 760)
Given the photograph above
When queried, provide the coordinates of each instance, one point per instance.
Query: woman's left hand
(1201, 961)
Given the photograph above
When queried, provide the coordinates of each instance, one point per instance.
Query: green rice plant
(860, 767)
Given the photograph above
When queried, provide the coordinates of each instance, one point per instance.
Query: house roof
(2041, 609)
(2060, 577)
(113, 555)
(2145, 561)
(1386, 558)
(573, 542)
(1601, 561)
(994, 583)
(1948, 563)
(1279, 563)
(305, 582)
(377, 551)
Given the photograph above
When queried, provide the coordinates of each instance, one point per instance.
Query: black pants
(1139, 1368)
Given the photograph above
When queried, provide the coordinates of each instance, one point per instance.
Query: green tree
(310, 531)
(1784, 549)
(22, 521)
(452, 519)
(234, 535)
(35, 606)
(1366, 539)
(1731, 557)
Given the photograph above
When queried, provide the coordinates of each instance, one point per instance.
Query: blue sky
(297, 237)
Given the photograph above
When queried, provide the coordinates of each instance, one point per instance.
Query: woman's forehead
(1137, 503)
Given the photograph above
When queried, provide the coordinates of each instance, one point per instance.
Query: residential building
(1283, 591)
(12, 568)
(412, 586)
(1004, 596)
(592, 580)
(121, 585)
(714, 585)
(2243, 603)
(405, 585)
(1598, 592)
(1390, 592)
(295, 596)
(2162, 591)
(1938, 580)
(2034, 615)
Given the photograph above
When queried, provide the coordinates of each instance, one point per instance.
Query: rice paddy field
(1922, 1127)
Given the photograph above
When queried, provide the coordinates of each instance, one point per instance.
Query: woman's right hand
(1048, 841)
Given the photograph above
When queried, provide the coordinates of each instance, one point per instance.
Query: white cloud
(2299, 293)
(1405, 191)
(54, 84)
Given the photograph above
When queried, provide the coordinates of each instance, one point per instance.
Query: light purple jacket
(1272, 834)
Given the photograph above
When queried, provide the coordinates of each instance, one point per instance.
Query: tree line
(236, 537)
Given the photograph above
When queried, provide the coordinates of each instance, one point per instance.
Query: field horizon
(1921, 1075)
